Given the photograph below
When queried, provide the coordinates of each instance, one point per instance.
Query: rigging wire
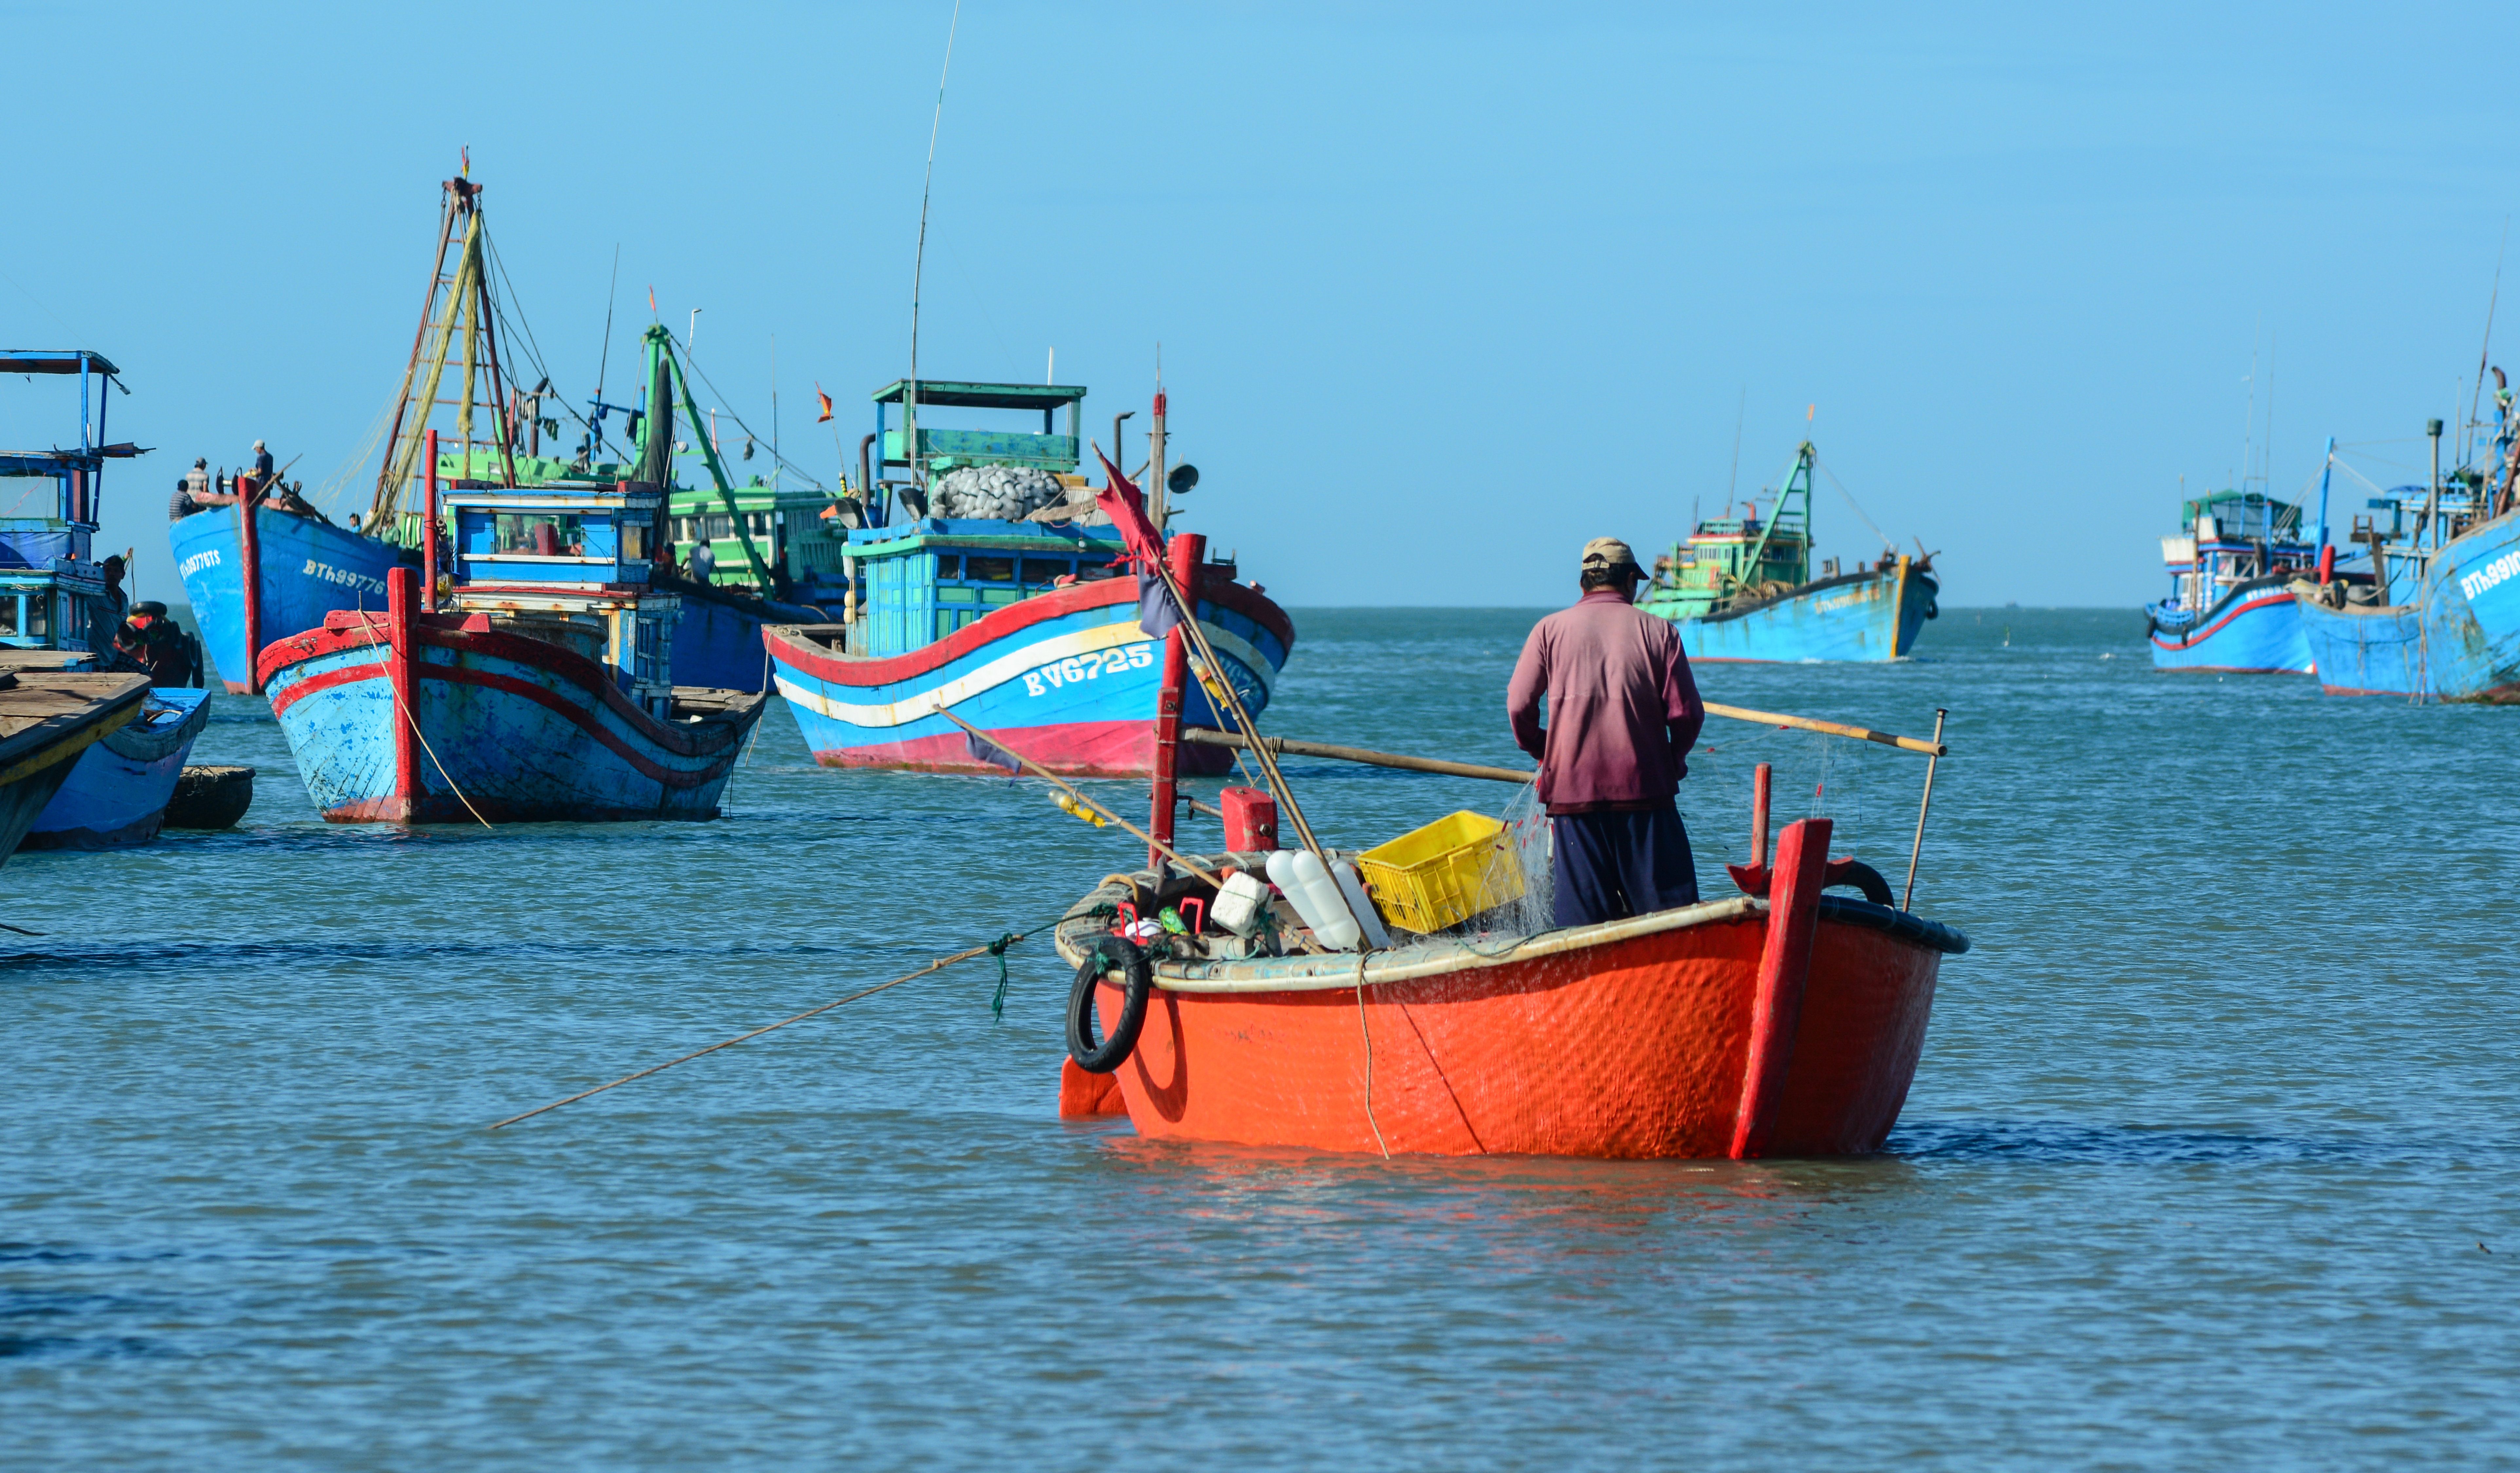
(1850, 501)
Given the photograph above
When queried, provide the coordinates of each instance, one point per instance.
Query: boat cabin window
(9, 614)
(541, 533)
(37, 623)
(949, 565)
(991, 569)
(1042, 572)
(634, 542)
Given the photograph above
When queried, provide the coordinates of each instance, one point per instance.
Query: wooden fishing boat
(118, 789)
(1025, 625)
(1740, 589)
(2230, 609)
(1778, 1024)
(48, 720)
(542, 693)
(2437, 615)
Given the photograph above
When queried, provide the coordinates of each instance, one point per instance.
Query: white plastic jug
(1360, 904)
(1319, 903)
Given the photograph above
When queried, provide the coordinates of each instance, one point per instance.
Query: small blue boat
(117, 794)
(2437, 615)
(2231, 567)
(1025, 625)
(542, 693)
(1741, 588)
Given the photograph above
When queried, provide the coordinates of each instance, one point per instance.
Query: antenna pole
(919, 263)
(603, 367)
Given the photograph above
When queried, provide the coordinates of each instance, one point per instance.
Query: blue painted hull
(1067, 679)
(2255, 629)
(117, 789)
(2457, 639)
(309, 568)
(1857, 616)
(506, 730)
(312, 568)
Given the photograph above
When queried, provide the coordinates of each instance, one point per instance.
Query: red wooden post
(400, 607)
(428, 533)
(249, 555)
(1187, 549)
(1785, 966)
(1759, 779)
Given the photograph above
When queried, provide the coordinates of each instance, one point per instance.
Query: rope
(998, 999)
(1368, 1034)
(1850, 501)
(996, 948)
(405, 712)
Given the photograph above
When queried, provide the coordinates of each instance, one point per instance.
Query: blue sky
(1442, 290)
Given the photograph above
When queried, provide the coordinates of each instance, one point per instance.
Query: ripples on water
(2209, 1131)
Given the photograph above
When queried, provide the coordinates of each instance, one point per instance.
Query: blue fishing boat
(1023, 620)
(60, 614)
(49, 719)
(2437, 616)
(1741, 588)
(543, 691)
(260, 562)
(2231, 567)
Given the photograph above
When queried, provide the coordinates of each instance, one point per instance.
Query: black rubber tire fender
(1865, 877)
(1138, 981)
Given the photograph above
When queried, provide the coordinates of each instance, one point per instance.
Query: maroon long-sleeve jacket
(1623, 709)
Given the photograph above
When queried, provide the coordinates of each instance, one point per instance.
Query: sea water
(2210, 1160)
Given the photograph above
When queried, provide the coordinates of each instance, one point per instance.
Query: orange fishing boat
(1778, 1023)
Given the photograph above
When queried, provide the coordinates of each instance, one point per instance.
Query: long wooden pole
(1038, 771)
(1932, 748)
(1358, 754)
(1189, 607)
(1918, 848)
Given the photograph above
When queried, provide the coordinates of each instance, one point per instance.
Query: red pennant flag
(1126, 505)
(827, 404)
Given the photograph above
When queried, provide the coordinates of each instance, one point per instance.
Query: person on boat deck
(703, 562)
(1623, 712)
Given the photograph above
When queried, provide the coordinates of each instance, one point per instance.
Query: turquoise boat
(1741, 588)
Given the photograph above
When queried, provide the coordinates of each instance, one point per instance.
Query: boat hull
(117, 790)
(1871, 615)
(1631, 1038)
(2457, 639)
(50, 718)
(2255, 630)
(502, 729)
(307, 569)
(1067, 678)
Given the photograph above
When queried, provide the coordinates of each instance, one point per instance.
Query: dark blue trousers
(1610, 866)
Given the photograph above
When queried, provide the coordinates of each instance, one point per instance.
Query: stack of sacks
(994, 493)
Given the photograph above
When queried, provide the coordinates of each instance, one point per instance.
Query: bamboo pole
(1358, 754)
(1918, 848)
(1934, 748)
(1038, 771)
(1188, 606)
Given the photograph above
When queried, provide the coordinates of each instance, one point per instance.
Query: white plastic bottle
(1360, 904)
(1320, 903)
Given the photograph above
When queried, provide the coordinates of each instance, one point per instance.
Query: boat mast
(465, 301)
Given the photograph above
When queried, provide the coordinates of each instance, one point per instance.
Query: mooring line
(997, 948)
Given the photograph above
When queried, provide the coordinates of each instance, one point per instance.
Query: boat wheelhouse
(1741, 588)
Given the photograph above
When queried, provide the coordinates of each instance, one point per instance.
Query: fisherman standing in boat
(1623, 712)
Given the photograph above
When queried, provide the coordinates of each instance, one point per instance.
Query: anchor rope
(1368, 1034)
(405, 712)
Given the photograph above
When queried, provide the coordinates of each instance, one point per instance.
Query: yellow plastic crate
(1442, 875)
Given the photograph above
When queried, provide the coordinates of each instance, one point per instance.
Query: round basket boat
(211, 797)
(1783, 1025)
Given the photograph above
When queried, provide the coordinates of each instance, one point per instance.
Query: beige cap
(1607, 552)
